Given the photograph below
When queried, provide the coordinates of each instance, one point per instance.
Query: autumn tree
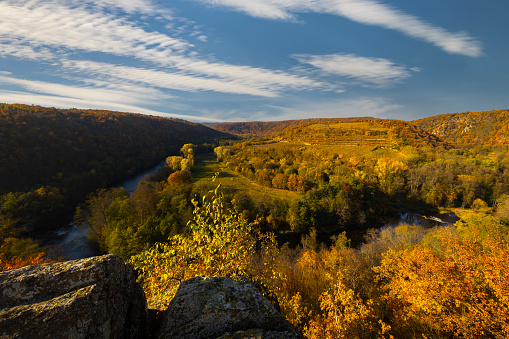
(296, 183)
(174, 162)
(391, 174)
(280, 181)
(219, 242)
(458, 288)
(179, 178)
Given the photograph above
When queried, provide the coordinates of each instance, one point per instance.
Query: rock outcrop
(90, 298)
(99, 298)
(219, 307)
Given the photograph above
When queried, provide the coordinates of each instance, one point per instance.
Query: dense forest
(301, 212)
(51, 159)
(85, 147)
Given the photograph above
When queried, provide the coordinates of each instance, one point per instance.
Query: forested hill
(266, 128)
(85, 149)
(469, 129)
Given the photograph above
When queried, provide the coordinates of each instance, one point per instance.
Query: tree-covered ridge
(469, 129)
(266, 128)
(65, 148)
(361, 132)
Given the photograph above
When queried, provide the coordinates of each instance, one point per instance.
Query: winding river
(71, 241)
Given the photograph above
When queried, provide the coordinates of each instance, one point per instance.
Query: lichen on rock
(90, 298)
(221, 307)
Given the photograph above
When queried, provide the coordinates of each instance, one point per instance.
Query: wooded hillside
(51, 158)
(469, 129)
(309, 214)
(85, 147)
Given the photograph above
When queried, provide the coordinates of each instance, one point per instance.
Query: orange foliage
(15, 262)
(343, 313)
(296, 183)
(179, 178)
(463, 292)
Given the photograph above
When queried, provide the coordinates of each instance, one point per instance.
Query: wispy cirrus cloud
(369, 72)
(55, 24)
(131, 6)
(104, 92)
(229, 79)
(10, 47)
(368, 12)
(55, 30)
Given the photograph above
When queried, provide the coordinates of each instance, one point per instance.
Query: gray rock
(260, 334)
(221, 307)
(90, 298)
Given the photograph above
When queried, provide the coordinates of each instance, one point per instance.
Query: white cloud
(251, 76)
(202, 38)
(123, 95)
(19, 50)
(375, 72)
(130, 6)
(202, 76)
(176, 81)
(52, 24)
(369, 12)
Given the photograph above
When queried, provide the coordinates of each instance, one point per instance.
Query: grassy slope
(206, 166)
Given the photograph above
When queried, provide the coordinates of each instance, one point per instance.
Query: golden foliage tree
(219, 242)
(461, 292)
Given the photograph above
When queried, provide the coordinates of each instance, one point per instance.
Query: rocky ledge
(99, 298)
(91, 298)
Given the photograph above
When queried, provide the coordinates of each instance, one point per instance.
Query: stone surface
(221, 307)
(90, 298)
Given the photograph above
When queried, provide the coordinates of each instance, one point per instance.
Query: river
(429, 219)
(71, 242)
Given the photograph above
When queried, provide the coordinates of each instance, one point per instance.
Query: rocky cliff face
(91, 298)
(99, 298)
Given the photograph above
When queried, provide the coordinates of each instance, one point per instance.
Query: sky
(252, 60)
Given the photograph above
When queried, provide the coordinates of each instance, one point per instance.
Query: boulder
(90, 298)
(219, 307)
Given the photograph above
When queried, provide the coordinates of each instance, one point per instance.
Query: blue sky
(246, 60)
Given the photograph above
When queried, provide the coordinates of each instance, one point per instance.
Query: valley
(327, 214)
